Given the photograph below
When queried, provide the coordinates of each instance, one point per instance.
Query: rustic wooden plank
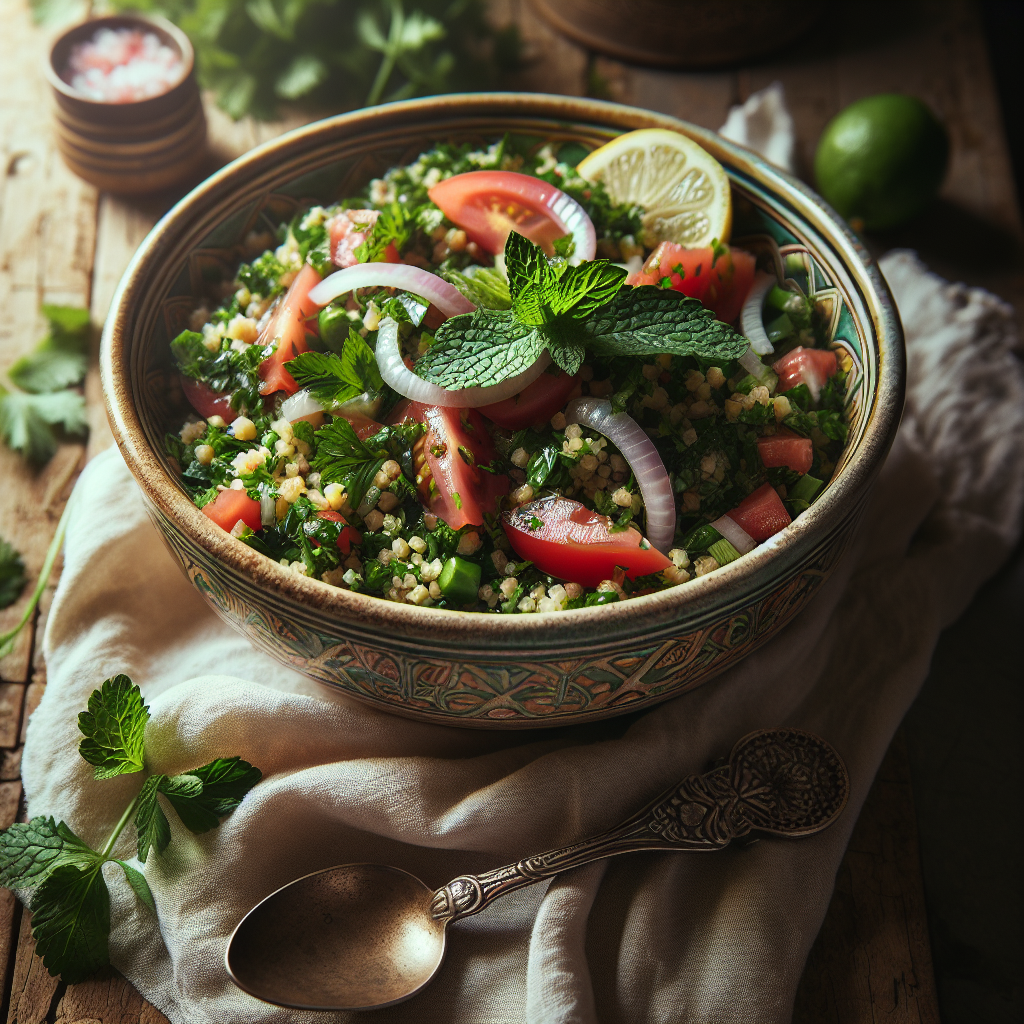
(10, 909)
(11, 697)
(106, 999)
(32, 987)
(872, 960)
(10, 764)
(701, 97)
(47, 220)
(551, 63)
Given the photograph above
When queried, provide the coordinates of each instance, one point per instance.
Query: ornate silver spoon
(363, 936)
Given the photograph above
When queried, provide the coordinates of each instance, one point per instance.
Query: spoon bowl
(358, 935)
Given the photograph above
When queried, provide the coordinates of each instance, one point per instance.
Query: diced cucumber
(459, 580)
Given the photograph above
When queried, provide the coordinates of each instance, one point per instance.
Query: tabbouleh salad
(493, 383)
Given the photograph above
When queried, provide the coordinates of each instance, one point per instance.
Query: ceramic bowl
(130, 148)
(739, 31)
(471, 669)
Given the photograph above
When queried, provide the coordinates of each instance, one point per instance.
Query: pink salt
(123, 65)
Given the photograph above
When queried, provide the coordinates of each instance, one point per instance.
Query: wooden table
(61, 242)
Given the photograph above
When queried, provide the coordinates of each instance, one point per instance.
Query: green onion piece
(700, 538)
(780, 298)
(459, 580)
(601, 597)
(805, 489)
(781, 327)
(746, 384)
(794, 263)
(723, 552)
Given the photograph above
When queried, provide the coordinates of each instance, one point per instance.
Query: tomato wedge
(230, 506)
(566, 539)
(785, 448)
(287, 326)
(488, 205)
(761, 514)
(720, 283)
(536, 403)
(206, 401)
(348, 536)
(447, 460)
(810, 366)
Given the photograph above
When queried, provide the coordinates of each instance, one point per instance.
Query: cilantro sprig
(71, 903)
(570, 311)
(47, 377)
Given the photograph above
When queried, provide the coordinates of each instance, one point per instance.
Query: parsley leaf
(392, 227)
(333, 380)
(341, 457)
(205, 795)
(71, 921)
(29, 851)
(114, 728)
(26, 421)
(59, 360)
(12, 574)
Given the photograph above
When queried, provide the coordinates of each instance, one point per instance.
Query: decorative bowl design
(471, 669)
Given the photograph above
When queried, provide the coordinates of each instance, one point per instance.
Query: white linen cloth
(649, 937)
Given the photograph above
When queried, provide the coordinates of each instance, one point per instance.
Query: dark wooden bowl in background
(678, 33)
(129, 148)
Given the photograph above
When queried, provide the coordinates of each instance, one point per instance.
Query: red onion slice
(577, 223)
(735, 534)
(752, 319)
(446, 297)
(398, 376)
(638, 450)
(751, 362)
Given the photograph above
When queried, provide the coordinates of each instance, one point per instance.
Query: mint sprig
(71, 903)
(570, 311)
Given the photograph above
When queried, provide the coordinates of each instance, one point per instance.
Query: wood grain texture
(872, 959)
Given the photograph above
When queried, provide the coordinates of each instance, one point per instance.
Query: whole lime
(881, 160)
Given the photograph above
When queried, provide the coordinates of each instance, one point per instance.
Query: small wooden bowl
(678, 33)
(130, 148)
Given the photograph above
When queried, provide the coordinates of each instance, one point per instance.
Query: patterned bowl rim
(259, 172)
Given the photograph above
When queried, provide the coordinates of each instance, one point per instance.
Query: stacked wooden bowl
(130, 148)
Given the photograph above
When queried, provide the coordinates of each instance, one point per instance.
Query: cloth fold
(651, 937)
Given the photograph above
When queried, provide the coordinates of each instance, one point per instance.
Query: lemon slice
(683, 189)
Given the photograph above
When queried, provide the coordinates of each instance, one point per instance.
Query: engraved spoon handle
(781, 781)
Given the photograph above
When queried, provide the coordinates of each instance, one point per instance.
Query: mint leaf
(29, 851)
(646, 320)
(333, 380)
(137, 880)
(479, 349)
(525, 264)
(114, 727)
(153, 827)
(582, 289)
(12, 574)
(203, 796)
(568, 357)
(71, 921)
(69, 326)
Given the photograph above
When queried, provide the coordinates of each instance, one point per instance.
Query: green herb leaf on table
(205, 795)
(59, 360)
(153, 828)
(27, 421)
(114, 727)
(29, 851)
(71, 903)
(12, 574)
(71, 921)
